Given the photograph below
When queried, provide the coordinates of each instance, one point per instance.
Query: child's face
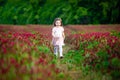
(58, 23)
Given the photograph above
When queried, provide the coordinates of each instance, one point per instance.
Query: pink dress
(57, 33)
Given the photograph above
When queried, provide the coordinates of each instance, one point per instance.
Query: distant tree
(71, 11)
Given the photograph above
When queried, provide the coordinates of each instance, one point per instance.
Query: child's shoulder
(54, 28)
(62, 27)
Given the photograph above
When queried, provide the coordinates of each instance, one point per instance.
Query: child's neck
(58, 26)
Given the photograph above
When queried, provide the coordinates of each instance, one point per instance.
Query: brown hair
(57, 19)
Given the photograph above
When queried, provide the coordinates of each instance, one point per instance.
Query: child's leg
(60, 50)
(56, 50)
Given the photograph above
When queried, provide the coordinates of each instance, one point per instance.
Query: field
(26, 53)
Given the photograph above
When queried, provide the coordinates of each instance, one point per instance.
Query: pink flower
(16, 65)
(49, 73)
(12, 44)
(12, 61)
(4, 41)
(1, 61)
(57, 71)
(41, 60)
(52, 65)
(4, 50)
(21, 45)
(4, 70)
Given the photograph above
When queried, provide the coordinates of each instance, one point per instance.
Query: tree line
(71, 11)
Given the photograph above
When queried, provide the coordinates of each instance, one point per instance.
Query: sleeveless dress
(57, 36)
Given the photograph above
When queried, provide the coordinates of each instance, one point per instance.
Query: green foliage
(92, 45)
(44, 49)
(71, 11)
(73, 59)
(61, 75)
(116, 62)
(97, 53)
(116, 74)
(2, 2)
(114, 33)
(103, 55)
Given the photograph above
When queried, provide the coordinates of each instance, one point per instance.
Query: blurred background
(22, 12)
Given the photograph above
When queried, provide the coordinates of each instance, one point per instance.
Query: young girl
(58, 37)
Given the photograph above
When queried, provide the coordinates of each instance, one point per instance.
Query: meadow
(92, 52)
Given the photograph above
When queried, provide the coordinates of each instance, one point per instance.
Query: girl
(58, 37)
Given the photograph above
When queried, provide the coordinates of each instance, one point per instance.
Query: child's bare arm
(53, 34)
(63, 34)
